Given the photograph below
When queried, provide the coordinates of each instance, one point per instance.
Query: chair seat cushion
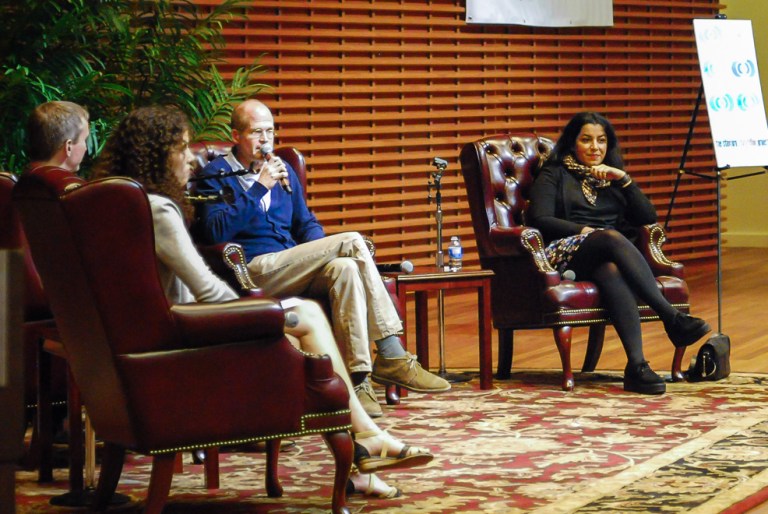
(580, 302)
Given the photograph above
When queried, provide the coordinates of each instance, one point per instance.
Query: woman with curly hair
(151, 145)
(588, 209)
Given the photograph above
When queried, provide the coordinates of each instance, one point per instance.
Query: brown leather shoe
(367, 397)
(407, 373)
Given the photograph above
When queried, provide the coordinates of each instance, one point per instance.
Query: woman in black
(588, 210)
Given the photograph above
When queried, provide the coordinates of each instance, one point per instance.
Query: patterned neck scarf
(589, 184)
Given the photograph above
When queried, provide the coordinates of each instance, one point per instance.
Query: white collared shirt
(247, 180)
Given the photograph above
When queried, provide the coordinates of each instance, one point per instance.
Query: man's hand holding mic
(273, 170)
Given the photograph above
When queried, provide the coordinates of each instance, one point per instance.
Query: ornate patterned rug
(523, 447)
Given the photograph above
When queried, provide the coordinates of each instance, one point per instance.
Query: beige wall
(746, 213)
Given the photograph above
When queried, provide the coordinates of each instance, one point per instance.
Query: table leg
(450, 377)
(422, 328)
(484, 327)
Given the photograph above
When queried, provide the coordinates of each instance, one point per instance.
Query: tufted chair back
(527, 292)
(504, 169)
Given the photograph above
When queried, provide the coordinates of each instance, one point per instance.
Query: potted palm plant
(112, 56)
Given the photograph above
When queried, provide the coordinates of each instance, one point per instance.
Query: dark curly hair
(141, 147)
(567, 142)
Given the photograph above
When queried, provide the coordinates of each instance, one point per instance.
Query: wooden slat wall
(372, 90)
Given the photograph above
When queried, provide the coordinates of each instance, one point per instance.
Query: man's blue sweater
(286, 223)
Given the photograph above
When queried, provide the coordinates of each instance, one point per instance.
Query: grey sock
(390, 347)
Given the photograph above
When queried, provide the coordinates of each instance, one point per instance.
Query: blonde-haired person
(56, 135)
(151, 145)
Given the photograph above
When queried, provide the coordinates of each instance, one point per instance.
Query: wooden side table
(426, 279)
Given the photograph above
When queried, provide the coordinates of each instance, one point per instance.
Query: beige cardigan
(184, 274)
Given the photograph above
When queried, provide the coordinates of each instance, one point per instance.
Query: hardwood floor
(744, 319)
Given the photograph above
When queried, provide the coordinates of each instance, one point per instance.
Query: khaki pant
(340, 267)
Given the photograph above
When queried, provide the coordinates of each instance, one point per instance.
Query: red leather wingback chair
(208, 151)
(527, 292)
(160, 379)
(48, 384)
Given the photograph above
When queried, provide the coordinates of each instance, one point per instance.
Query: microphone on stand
(403, 267)
(266, 151)
(226, 195)
(220, 174)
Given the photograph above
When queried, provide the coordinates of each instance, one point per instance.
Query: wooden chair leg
(44, 417)
(392, 395)
(178, 463)
(8, 488)
(274, 488)
(594, 347)
(111, 467)
(340, 444)
(563, 341)
(211, 467)
(506, 347)
(677, 365)
(160, 483)
(76, 439)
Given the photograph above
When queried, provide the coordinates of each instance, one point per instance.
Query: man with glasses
(290, 255)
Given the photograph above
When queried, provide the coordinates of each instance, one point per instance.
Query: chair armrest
(228, 261)
(650, 240)
(245, 319)
(517, 240)
(525, 243)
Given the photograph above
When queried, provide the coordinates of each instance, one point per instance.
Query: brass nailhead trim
(303, 431)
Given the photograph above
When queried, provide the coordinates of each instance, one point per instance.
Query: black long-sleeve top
(558, 207)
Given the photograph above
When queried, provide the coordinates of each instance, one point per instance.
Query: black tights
(622, 274)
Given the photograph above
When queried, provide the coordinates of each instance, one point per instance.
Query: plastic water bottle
(455, 254)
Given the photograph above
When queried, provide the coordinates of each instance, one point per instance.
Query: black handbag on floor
(713, 362)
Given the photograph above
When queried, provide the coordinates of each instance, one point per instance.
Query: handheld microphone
(569, 275)
(403, 267)
(266, 151)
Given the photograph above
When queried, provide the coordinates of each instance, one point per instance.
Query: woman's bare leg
(313, 334)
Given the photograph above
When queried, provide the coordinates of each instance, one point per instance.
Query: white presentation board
(734, 99)
(541, 13)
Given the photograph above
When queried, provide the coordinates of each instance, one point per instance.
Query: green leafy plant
(113, 56)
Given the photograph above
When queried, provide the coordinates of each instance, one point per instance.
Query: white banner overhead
(542, 13)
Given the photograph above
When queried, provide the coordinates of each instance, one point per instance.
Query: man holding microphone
(290, 255)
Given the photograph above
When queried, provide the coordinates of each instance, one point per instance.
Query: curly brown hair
(141, 147)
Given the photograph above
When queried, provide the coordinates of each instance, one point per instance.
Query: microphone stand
(718, 178)
(220, 174)
(434, 183)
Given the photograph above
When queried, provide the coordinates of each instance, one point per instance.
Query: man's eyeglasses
(260, 133)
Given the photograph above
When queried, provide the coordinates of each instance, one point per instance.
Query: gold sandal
(408, 457)
(370, 491)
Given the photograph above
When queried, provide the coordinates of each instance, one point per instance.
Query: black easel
(717, 177)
